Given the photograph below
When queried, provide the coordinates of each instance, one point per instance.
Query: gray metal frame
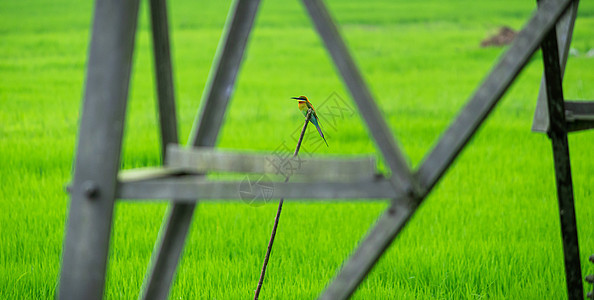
(207, 125)
(95, 186)
(558, 134)
(93, 190)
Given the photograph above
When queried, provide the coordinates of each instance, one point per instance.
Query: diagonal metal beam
(402, 178)
(207, 125)
(558, 136)
(449, 146)
(369, 251)
(491, 90)
(84, 258)
(564, 34)
(164, 74)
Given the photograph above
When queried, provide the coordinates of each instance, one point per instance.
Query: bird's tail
(321, 134)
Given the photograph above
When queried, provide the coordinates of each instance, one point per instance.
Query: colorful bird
(304, 105)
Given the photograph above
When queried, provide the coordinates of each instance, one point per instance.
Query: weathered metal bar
(583, 110)
(402, 179)
(369, 251)
(207, 125)
(207, 159)
(564, 34)
(153, 283)
(164, 74)
(152, 173)
(558, 136)
(490, 91)
(384, 232)
(84, 258)
(188, 189)
(579, 115)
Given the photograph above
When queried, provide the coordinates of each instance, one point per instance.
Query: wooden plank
(189, 189)
(206, 159)
(88, 229)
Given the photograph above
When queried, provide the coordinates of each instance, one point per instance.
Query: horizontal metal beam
(579, 115)
(188, 189)
(208, 159)
(579, 110)
(151, 173)
(489, 93)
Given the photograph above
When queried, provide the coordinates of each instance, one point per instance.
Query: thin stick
(278, 212)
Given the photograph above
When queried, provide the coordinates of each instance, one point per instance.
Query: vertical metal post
(206, 128)
(564, 28)
(167, 116)
(164, 74)
(558, 135)
(84, 258)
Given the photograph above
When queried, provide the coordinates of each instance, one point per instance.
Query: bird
(304, 105)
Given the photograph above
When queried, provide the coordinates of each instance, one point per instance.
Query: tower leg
(164, 74)
(206, 128)
(84, 258)
(558, 135)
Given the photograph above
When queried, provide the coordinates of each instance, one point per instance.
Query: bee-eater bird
(304, 105)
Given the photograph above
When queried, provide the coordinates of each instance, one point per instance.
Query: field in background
(489, 229)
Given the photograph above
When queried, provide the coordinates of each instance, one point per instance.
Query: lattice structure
(96, 184)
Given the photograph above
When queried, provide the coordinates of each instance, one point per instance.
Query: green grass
(490, 229)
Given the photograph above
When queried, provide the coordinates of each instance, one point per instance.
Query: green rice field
(490, 228)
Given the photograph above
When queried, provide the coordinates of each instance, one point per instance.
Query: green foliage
(489, 229)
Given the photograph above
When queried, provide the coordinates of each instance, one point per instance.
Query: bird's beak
(295, 98)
